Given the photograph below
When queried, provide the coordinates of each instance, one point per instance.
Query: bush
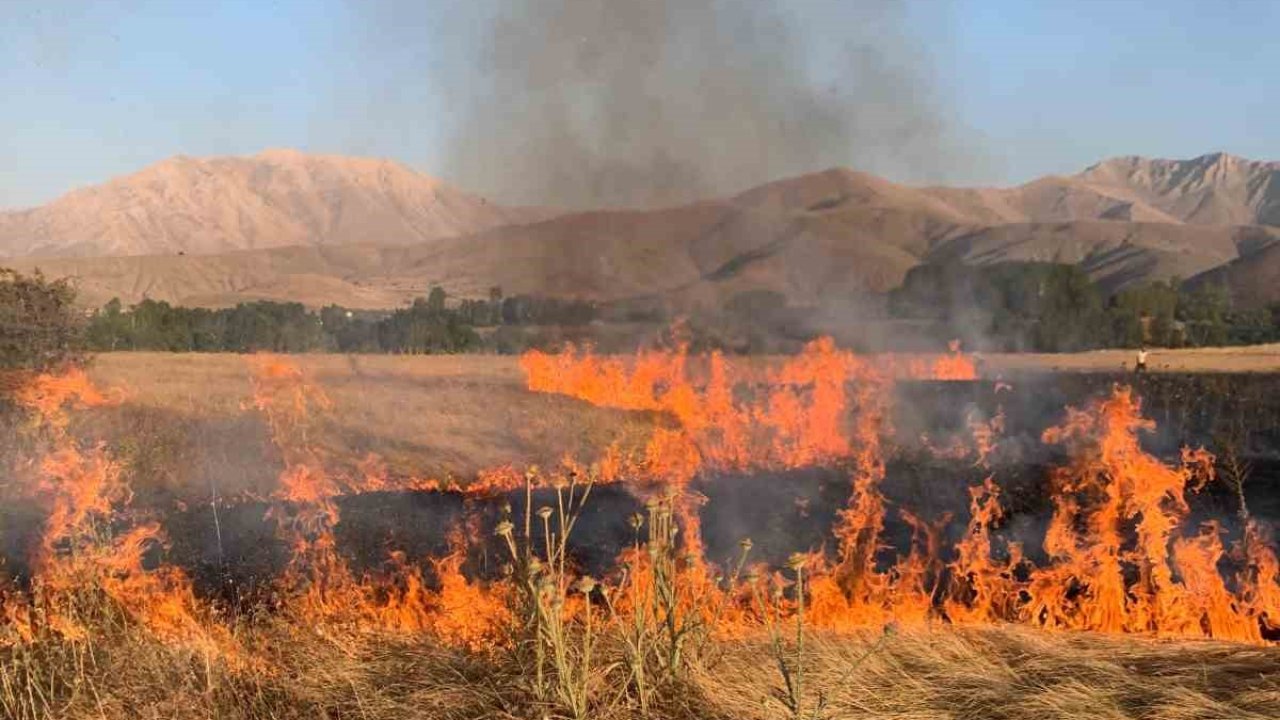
(40, 328)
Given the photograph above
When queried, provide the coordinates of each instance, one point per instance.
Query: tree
(1203, 311)
(436, 299)
(40, 328)
(109, 328)
(495, 305)
(1145, 314)
(1251, 327)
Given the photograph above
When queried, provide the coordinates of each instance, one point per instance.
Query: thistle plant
(561, 652)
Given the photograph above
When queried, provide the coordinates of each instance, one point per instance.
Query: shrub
(39, 325)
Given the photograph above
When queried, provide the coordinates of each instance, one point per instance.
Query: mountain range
(366, 233)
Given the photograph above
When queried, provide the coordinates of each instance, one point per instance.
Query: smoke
(592, 103)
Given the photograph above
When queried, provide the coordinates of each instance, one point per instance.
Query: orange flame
(80, 555)
(827, 405)
(1120, 558)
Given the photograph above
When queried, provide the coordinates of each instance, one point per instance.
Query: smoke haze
(591, 103)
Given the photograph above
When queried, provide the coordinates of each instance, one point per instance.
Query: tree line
(1050, 307)
(1042, 307)
(430, 324)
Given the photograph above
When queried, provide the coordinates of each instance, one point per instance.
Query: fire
(1110, 483)
(1120, 560)
(1120, 557)
(728, 418)
(983, 589)
(318, 582)
(467, 614)
(1260, 578)
(49, 398)
(955, 364)
(85, 565)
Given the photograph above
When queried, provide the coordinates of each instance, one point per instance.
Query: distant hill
(1215, 189)
(273, 199)
(1253, 279)
(368, 233)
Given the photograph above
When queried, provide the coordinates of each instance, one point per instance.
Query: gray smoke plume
(590, 103)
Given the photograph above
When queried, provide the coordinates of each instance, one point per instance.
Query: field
(111, 633)
(424, 416)
(1253, 358)
(437, 416)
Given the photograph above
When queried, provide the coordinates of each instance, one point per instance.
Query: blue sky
(96, 89)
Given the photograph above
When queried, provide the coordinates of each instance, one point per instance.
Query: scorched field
(662, 535)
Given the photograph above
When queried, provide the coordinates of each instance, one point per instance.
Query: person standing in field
(1140, 366)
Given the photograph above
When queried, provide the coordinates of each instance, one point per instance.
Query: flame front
(1119, 557)
(828, 406)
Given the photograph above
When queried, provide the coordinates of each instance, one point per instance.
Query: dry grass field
(433, 416)
(1252, 358)
(187, 423)
(426, 417)
(943, 674)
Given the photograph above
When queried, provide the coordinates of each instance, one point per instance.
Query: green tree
(1203, 312)
(1145, 314)
(1068, 308)
(436, 299)
(1251, 327)
(109, 328)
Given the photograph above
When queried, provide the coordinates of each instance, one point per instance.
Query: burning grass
(1124, 610)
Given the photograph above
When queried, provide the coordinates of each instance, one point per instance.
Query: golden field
(435, 417)
(426, 417)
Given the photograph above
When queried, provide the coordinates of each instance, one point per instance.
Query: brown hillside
(698, 253)
(370, 234)
(1214, 189)
(1113, 253)
(1253, 280)
(274, 199)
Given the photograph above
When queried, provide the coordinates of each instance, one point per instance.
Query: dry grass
(1013, 673)
(184, 421)
(433, 416)
(998, 674)
(424, 416)
(1252, 358)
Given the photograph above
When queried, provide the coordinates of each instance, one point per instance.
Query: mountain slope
(1214, 189)
(694, 254)
(273, 199)
(828, 239)
(1252, 280)
(1114, 254)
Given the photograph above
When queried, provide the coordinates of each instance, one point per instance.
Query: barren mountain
(1114, 254)
(1214, 189)
(830, 238)
(697, 253)
(274, 199)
